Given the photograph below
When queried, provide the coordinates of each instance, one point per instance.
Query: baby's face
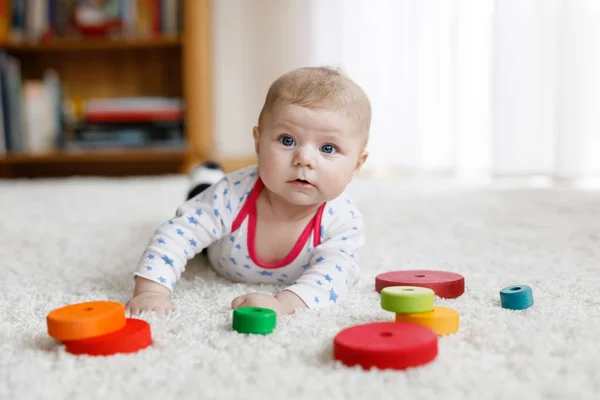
(308, 156)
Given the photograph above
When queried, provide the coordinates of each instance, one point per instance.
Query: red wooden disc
(445, 284)
(134, 336)
(386, 345)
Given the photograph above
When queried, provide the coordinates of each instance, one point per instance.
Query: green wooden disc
(407, 299)
(254, 320)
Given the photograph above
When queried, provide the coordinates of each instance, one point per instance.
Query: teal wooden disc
(407, 299)
(255, 320)
(517, 297)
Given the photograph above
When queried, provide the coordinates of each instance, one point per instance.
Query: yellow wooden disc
(442, 320)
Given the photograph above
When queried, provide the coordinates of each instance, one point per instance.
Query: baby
(285, 221)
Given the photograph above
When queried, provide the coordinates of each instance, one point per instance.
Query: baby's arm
(198, 223)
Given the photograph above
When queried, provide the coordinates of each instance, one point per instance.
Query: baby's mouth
(302, 182)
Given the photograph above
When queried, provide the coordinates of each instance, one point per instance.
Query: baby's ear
(361, 160)
(256, 135)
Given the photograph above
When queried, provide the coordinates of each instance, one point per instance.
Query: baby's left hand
(284, 303)
(259, 300)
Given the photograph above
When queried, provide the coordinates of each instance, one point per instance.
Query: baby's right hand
(158, 303)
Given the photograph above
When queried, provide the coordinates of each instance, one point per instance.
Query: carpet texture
(75, 240)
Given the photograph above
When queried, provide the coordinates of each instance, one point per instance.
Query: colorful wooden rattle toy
(256, 320)
(518, 297)
(385, 345)
(407, 299)
(442, 320)
(445, 284)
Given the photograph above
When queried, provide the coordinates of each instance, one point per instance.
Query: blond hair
(320, 88)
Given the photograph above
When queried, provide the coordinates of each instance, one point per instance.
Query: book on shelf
(37, 117)
(38, 20)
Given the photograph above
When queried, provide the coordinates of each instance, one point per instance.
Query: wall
(253, 43)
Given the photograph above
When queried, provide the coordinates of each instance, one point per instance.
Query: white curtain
(472, 88)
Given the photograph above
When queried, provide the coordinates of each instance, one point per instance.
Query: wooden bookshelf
(173, 66)
(118, 162)
(82, 44)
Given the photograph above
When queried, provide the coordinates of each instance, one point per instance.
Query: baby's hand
(159, 303)
(284, 303)
(258, 300)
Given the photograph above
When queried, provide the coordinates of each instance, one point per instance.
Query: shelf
(92, 44)
(78, 156)
(118, 162)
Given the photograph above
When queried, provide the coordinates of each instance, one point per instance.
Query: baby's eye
(328, 149)
(287, 140)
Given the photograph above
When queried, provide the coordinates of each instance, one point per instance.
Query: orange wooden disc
(443, 320)
(85, 320)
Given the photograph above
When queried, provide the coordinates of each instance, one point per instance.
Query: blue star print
(179, 232)
(338, 268)
(217, 213)
(328, 278)
(148, 268)
(192, 220)
(233, 260)
(193, 243)
(330, 211)
(320, 259)
(316, 299)
(161, 279)
(225, 192)
(229, 205)
(237, 183)
(161, 240)
(332, 295)
(150, 256)
(167, 260)
(198, 212)
(266, 273)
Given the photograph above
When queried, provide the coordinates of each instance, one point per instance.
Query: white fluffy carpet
(75, 240)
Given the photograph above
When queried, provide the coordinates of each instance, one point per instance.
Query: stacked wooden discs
(98, 328)
(412, 340)
(417, 305)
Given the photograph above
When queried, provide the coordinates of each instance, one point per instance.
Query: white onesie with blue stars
(320, 269)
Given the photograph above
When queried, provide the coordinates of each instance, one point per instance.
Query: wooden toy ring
(442, 320)
(445, 284)
(85, 320)
(136, 335)
(517, 297)
(256, 320)
(407, 299)
(385, 345)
